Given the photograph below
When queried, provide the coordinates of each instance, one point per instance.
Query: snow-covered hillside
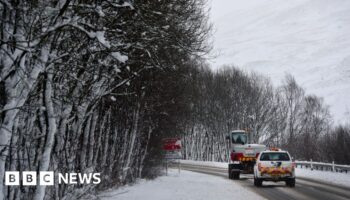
(308, 38)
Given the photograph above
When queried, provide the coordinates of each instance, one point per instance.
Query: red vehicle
(243, 154)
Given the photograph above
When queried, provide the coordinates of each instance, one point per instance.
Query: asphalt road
(304, 188)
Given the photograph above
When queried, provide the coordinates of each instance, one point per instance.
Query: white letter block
(46, 178)
(29, 178)
(11, 178)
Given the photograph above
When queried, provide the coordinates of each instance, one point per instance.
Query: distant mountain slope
(308, 38)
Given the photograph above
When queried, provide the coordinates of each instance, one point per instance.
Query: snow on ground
(184, 186)
(205, 163)
(325, 176)
(307, 38)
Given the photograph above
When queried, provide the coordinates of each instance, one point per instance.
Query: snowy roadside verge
(205, 163)
(323, 176)
(342, 179)
(183, 185)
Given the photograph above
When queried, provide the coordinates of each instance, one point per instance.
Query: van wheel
(257, 182)
(291, 182)
(230, 173)
(236, 175)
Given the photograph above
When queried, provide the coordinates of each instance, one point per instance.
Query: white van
(274, 165)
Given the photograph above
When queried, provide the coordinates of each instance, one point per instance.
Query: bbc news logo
(30, 178)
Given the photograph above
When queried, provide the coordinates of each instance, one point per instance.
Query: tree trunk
(132, 142)
(52, 128)
(92, 140)
(85, 144)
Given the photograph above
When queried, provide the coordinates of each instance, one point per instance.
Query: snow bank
(186, 185)
(325, 176)
(205, 163)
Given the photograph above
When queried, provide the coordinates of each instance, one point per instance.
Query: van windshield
(278, 156)
(239, 138)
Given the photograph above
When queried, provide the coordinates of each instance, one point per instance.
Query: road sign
(172, 155)
(172, 151)
(171, 144)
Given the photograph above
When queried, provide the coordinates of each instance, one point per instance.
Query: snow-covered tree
(85, 86)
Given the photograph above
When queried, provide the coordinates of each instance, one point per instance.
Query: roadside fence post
(311, 165)
(166, 168)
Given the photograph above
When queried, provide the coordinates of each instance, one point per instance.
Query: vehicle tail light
(257, 155)
(232, 156)
(236, 156)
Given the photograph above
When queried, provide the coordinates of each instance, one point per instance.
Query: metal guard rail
(323, 166)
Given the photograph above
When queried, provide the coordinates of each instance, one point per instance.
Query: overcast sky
(306, 38)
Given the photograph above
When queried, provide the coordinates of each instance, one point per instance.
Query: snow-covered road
(185, 185)
(208, 180)
(342, 179)
(306, 188)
